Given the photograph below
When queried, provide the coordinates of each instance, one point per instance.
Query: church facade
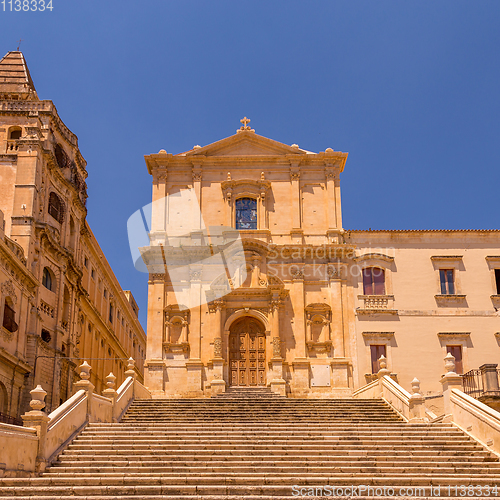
(254, 282)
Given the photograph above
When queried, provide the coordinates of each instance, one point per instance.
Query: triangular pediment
(245, 143)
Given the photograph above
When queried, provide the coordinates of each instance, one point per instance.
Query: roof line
(422, 230)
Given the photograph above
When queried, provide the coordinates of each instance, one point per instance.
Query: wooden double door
(247, 353)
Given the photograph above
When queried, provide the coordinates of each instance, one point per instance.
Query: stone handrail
(26, 451)
(390, 391)
(18, 450)
(65, 423)
(102, 409)
(369, 391)
(141, 392)
(478, 420)
(409, 406)
(396, 396)
(124, 397)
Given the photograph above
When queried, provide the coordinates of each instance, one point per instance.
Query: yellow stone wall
(305, 284)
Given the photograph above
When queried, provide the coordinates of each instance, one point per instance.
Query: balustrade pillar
(449, 381)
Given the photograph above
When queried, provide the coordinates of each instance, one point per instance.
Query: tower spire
(15, 78)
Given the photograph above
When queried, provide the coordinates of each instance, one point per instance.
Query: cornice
(403, 231)
(374, 256)
(446, 258)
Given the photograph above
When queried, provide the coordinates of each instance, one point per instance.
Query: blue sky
(409, 89)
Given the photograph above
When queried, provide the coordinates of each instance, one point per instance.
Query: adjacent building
(60, 302)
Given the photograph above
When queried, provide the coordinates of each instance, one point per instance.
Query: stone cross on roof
(245, 122)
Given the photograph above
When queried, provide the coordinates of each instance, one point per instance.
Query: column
(296, 231)
(154, 365)
(330, 194)
(159, 206)
(194, 365)
(277, 384)
(217, 384)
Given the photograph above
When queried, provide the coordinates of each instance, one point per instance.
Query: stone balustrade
(28, 450)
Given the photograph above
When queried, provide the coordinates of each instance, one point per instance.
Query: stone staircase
(254, 444)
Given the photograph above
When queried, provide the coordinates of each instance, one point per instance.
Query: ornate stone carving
(294, 175)
(197, 176)
(194, 275)
(217, 347)
(183, 347)
(332, 272)
(260, 186)
(156, 277)
(8, 290)
(298, 274)
(161, 176)
(216, 305)
(330, 174)
(276, 343)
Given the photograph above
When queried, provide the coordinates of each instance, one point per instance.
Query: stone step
(283, 472)
(274, 448)
(251, 488)
(234, 430)
(235, 455)
(83, 443)
(251, 443)
(187, 467)
(160, 496)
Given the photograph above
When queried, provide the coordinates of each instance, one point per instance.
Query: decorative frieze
(217, 347)
(8, 290)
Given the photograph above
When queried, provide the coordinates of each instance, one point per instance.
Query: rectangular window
(111, 313)
(373, 281)
(92, 274)
(86, 262)
(456, 352)
(246, 213)
(105, 294)
(497, 280)
(376, 352)
(447, 281)
(9, 318)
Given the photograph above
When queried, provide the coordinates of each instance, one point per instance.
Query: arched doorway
(247, 353)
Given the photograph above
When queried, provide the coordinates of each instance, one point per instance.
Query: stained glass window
(246, 213)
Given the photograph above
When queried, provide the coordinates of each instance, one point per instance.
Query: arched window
(72, 233)
(15, 133)
(56, 207)
(46, 336)
(61, 157)
(48, 280)
(9, 316)
(373, 281)
(4, 399)
(246, 213)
